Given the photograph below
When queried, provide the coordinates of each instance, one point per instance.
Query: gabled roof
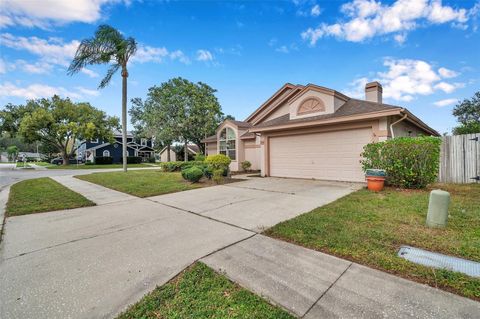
(287, 87)
(241, 124)
(211, 138)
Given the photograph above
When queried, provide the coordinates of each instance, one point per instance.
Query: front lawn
(142, 183)
(95, 166)
(199, 292)
(42, 195)
(369, 228)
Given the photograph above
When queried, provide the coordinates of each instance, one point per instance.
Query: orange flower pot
(375, 183)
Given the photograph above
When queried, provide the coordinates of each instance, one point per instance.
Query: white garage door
(329, 156)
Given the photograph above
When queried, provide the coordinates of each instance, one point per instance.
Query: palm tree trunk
(168, 153)
(185, 149)
(124, 118)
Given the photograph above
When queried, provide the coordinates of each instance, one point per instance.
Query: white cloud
(446, 73)
(44, 14)
(204, 55)
(282, 49)
(90, 73)
(34, 91)
(149, 54)
(445, 102)
(85, 91)
(53, 50)
(315, 12)
(366, 19)
(3, 66)
(180, 56)
(400, 38)
(404, 80)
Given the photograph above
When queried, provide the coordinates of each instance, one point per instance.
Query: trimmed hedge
(101, 160)
(410, 162)
(178, 166)
(192, 174)
(218, 161)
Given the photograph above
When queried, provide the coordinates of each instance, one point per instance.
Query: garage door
(329, 156)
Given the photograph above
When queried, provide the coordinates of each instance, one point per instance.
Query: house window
(227, 143)
(143, 141)
(106, 153)
(311, 105)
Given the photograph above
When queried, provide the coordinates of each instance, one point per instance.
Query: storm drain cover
(427, 258)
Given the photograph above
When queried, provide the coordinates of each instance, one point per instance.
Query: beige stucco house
(313, 132)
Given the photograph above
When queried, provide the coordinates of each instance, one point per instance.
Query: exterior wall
(252, 153)
(211, 148)
(405, 128)
(330, 102)
(281, 110)
(115, 152)
(164, 156)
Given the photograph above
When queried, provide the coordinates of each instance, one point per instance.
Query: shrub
(192, 174)
(132, 159)
(199, 157)
(410, 162)
(178, 166)
(151, 159)
(246, 165)
(101, 160)
(218, 161)
(218, 176)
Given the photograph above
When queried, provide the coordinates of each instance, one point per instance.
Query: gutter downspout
(391, 125)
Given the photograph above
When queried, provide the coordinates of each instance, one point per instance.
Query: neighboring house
(313, 132)
(31, 156)
(141, 147)
(192, 150)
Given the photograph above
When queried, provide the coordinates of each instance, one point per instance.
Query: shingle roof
(247, 135)
(351, 107)
(241, 124)
(211, 138)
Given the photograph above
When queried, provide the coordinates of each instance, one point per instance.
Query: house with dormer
(310, 131)
(136, 147)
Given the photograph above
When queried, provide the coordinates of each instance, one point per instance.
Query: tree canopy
(178, 110)
(468, 115)
(60, 123)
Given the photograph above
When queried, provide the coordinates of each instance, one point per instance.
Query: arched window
(227, 143)
(106, 153)
(311, 105)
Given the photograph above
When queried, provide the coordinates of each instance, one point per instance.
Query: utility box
(438, 208)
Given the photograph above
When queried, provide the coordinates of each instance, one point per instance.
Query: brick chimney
(373, 92)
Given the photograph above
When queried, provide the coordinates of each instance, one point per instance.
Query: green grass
(45, 164)
(141, 183)
(42, 195)
(22, 164)
(369, 228)
(94, 166)
(199, 292)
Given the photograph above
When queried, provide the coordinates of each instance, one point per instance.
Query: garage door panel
(330, 156)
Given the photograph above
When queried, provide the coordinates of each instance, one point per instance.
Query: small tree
(60, 123)
(12, 152)
(468, 115)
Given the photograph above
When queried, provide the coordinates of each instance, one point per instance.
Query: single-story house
(140, 147)
(192, 150)
(309, 131)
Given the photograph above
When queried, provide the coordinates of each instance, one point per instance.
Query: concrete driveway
(257, 203)
(92, 262)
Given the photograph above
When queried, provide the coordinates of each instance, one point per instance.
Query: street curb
(4, 193)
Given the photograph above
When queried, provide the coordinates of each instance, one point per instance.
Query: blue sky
(425, 53)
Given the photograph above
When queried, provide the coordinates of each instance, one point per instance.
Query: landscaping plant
(410, 162)
(246, 165)
(218, 176)
(192, 174)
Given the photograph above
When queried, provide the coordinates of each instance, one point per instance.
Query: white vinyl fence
(460, 159)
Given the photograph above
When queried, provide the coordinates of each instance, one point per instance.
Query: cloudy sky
(425, 53)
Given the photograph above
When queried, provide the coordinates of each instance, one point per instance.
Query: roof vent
(373, 92)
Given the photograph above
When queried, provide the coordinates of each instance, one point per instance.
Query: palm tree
(108, 46)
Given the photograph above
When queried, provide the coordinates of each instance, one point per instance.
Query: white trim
(107, 152)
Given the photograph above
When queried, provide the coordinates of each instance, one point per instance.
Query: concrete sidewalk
(98, 194)
(311, 284)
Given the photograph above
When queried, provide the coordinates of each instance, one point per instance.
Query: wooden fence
(460, 159)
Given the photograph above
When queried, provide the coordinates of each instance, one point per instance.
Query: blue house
(138, 147)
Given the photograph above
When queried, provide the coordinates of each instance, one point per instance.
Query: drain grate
(427, 258)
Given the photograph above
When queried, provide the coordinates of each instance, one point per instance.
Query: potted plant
(375, 179)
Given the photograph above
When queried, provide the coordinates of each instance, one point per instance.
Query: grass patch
(142, 183)
(369, 228)
(199, 292)
(22, 165)
(42, 195)
(44, 164)
(94, 166)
